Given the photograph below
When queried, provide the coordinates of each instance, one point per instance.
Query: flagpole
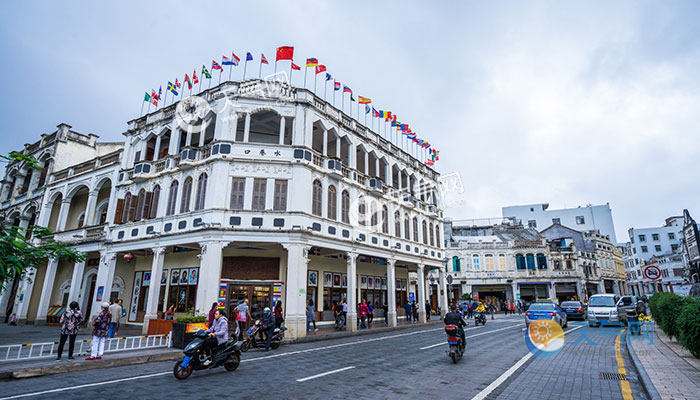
(221, 71)
(141, 113)
(245, 65)
(325, 90)
(148, 109)
(230, 69)
(305, 69)
(200, 84)
(315, 82)
(275, 66)
(342, 102)
(333, 94)
(260, 70)
(290, 73)
(165, 102)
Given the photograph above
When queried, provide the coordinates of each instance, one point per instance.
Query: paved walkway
(42, 333)
(674, 373)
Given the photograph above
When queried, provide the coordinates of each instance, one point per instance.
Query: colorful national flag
(224, 61)
(320, 68)
(311, 62)
(235, 59)
(248, 56)
(336, 85)
(172, 88)
(195, 80)
(284, 53)
(363, 100)
(295, 67)
(367, 109)
(154, 95)
(177, 83)
(375, 113)
(160, 91)
(347, 90)
(205, 72)
(146, 97)
(328, 76)
(188, 81)
(263, 59)
(351, 98)
(215, 65)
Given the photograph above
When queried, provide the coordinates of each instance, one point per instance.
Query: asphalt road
(403, 364)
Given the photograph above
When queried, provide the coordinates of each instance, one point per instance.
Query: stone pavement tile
(670, 374)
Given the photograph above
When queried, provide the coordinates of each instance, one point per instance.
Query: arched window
(385, 219)
(264, 127)
(316, 198)
(201, 191)
(530, 260)
(541, 261)
(81, 220)
(406, 227)
(27, 180)
(488, 259)
(397, 224)
(140, 204)
(437, 235)
(502, 261)
(332, 203)
(520, 261)
(127, 207)
(476, 261)
(345, 206)
(172, 198)
(415, 229)
(132, 208)
(425, 232)
(362, 211)
(456, 264)
(154, 202)
(432, 236)
(186, 195)
(374, 221)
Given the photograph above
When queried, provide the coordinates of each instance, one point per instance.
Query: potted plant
(184, 328)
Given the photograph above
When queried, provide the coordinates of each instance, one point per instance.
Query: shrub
(688, 325)
(186, 319)
(665, 308)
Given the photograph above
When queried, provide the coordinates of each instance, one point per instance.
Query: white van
(602, 309)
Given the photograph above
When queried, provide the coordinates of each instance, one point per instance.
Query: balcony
(335, 168)
(142, 170)
(376, 185)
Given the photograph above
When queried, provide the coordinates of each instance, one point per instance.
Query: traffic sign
(652, 272)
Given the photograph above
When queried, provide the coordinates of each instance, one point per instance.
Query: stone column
(76, 281)
(552, 290)
(104, 280)
(420, 289)
(246, 129)
(580, 291)
(352, 292)
(391, 291)
(210, 262)
(90, 208)
(63, 215)
(112, 205)
(283, 125)
(516, 291)
(24, 294)
(443, 292)
(295, 304)
(154, 287)
(325, 143)
(601, 286)
(156, 149)
(46, 289)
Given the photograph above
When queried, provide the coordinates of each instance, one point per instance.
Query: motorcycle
(339, 322)
(202, 353)
(455, 342)
(252, 341)
(479, 318)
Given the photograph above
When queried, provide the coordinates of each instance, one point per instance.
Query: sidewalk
(667, 370)
(43, 333)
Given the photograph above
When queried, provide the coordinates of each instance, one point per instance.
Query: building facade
(586, 218)
(249, 190)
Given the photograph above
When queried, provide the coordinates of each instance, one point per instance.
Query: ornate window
(280, 196)
(172, 198)
(385, 219)
(332, 203)
(237, 193)
(415, 229)
(317, 198)
(186, 195)
(201, 192)
(397, 224)
(345, 206)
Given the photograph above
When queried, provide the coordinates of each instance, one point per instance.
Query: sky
(566, 103)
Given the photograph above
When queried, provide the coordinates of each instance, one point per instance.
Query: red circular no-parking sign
(652, 272)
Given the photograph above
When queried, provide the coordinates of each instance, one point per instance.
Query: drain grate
(613, 376)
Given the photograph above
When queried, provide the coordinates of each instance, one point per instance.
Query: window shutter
(119, 211)
(147, 205)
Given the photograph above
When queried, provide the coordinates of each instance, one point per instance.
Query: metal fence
(36, 351)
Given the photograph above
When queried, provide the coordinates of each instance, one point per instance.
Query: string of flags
(286, 53)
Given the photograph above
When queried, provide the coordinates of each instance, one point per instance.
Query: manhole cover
(613, 376)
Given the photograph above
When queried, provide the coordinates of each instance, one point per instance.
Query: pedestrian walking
(344, 308)
(427, 310)
(310, 316)
(408, 310)
(385, 310)
(277, 311)
(115, 311)
(370, 314)
(122, 316)
(362, 312)
(242, 317)
(70, 323)
(100, 329)
(212, 314)
(414, 309)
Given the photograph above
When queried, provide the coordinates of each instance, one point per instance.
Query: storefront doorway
(259, 295)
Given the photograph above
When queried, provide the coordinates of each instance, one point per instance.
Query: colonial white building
(250, 190)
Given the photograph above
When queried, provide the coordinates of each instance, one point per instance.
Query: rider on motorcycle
(455, 318)
(218, 332)
(480, 308)
(268, 326)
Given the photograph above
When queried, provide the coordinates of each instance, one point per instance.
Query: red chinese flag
(285, 53)
(320, 68)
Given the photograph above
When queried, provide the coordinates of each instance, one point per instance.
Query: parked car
(541, 311)
(602, 309)
(625, 304)
(574, 310)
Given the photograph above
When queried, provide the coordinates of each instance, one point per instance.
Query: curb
(644, 378)
(36, 372)
(345, 334)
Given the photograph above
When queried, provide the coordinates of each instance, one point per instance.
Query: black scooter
(202, 353)
(455, 341)
(252, 340)
(479, 318)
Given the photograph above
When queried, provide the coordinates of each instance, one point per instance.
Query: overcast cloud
(529, 101)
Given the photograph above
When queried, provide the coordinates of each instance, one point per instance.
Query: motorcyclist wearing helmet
(454, 317)
(268, 326)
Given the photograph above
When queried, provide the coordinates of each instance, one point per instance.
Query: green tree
(21, 249)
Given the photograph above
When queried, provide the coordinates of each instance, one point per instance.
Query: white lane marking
(490, 388)
(242, 361)
(18, 396)
(470, 336)
(325, 373)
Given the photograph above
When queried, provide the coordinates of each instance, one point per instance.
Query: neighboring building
(691, 247)
(588, 218)
(656, 241)
(279, 196)
(673, 270)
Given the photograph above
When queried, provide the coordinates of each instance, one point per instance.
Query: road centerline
(335, 371)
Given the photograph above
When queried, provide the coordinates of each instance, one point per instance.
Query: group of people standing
(105, 325)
